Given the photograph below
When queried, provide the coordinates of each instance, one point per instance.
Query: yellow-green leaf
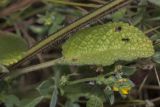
(105, 44)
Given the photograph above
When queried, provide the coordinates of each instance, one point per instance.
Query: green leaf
(54, 28)
(3, 69)
(94, 101)
(71, 104)
(46, 87)
(56, 23)
(40, 30)
(155, 37)
(35, 102)
(4, 87)
(128, 71)
(155, 2)
(105, 44)
(54, 98)
(74, 92)
(12, 48)
(25, 101)
(154, 18)
(119, 14)
(11, 101)
(156, 57)
(109, 94)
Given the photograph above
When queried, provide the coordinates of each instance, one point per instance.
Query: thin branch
(142, 84)
(73, 3)
(33, 68)
(152, 29)
(157, 77)
(151, 87)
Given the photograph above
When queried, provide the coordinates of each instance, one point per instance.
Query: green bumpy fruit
(105, 44)
(12, 48)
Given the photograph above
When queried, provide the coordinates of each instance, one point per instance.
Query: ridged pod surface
(105, 44)
(12, 48)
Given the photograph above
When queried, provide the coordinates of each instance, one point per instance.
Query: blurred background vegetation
(73, 86)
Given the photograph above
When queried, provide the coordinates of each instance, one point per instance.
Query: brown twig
(157, 76)
(151, 87)
(20, 4)
(142, 84)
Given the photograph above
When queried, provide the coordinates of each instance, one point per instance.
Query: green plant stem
(88, 79)
(82, 80)
(133, 101)
(72, 3)
(32, 68)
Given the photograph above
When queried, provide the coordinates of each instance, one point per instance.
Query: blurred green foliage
(70, 86)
